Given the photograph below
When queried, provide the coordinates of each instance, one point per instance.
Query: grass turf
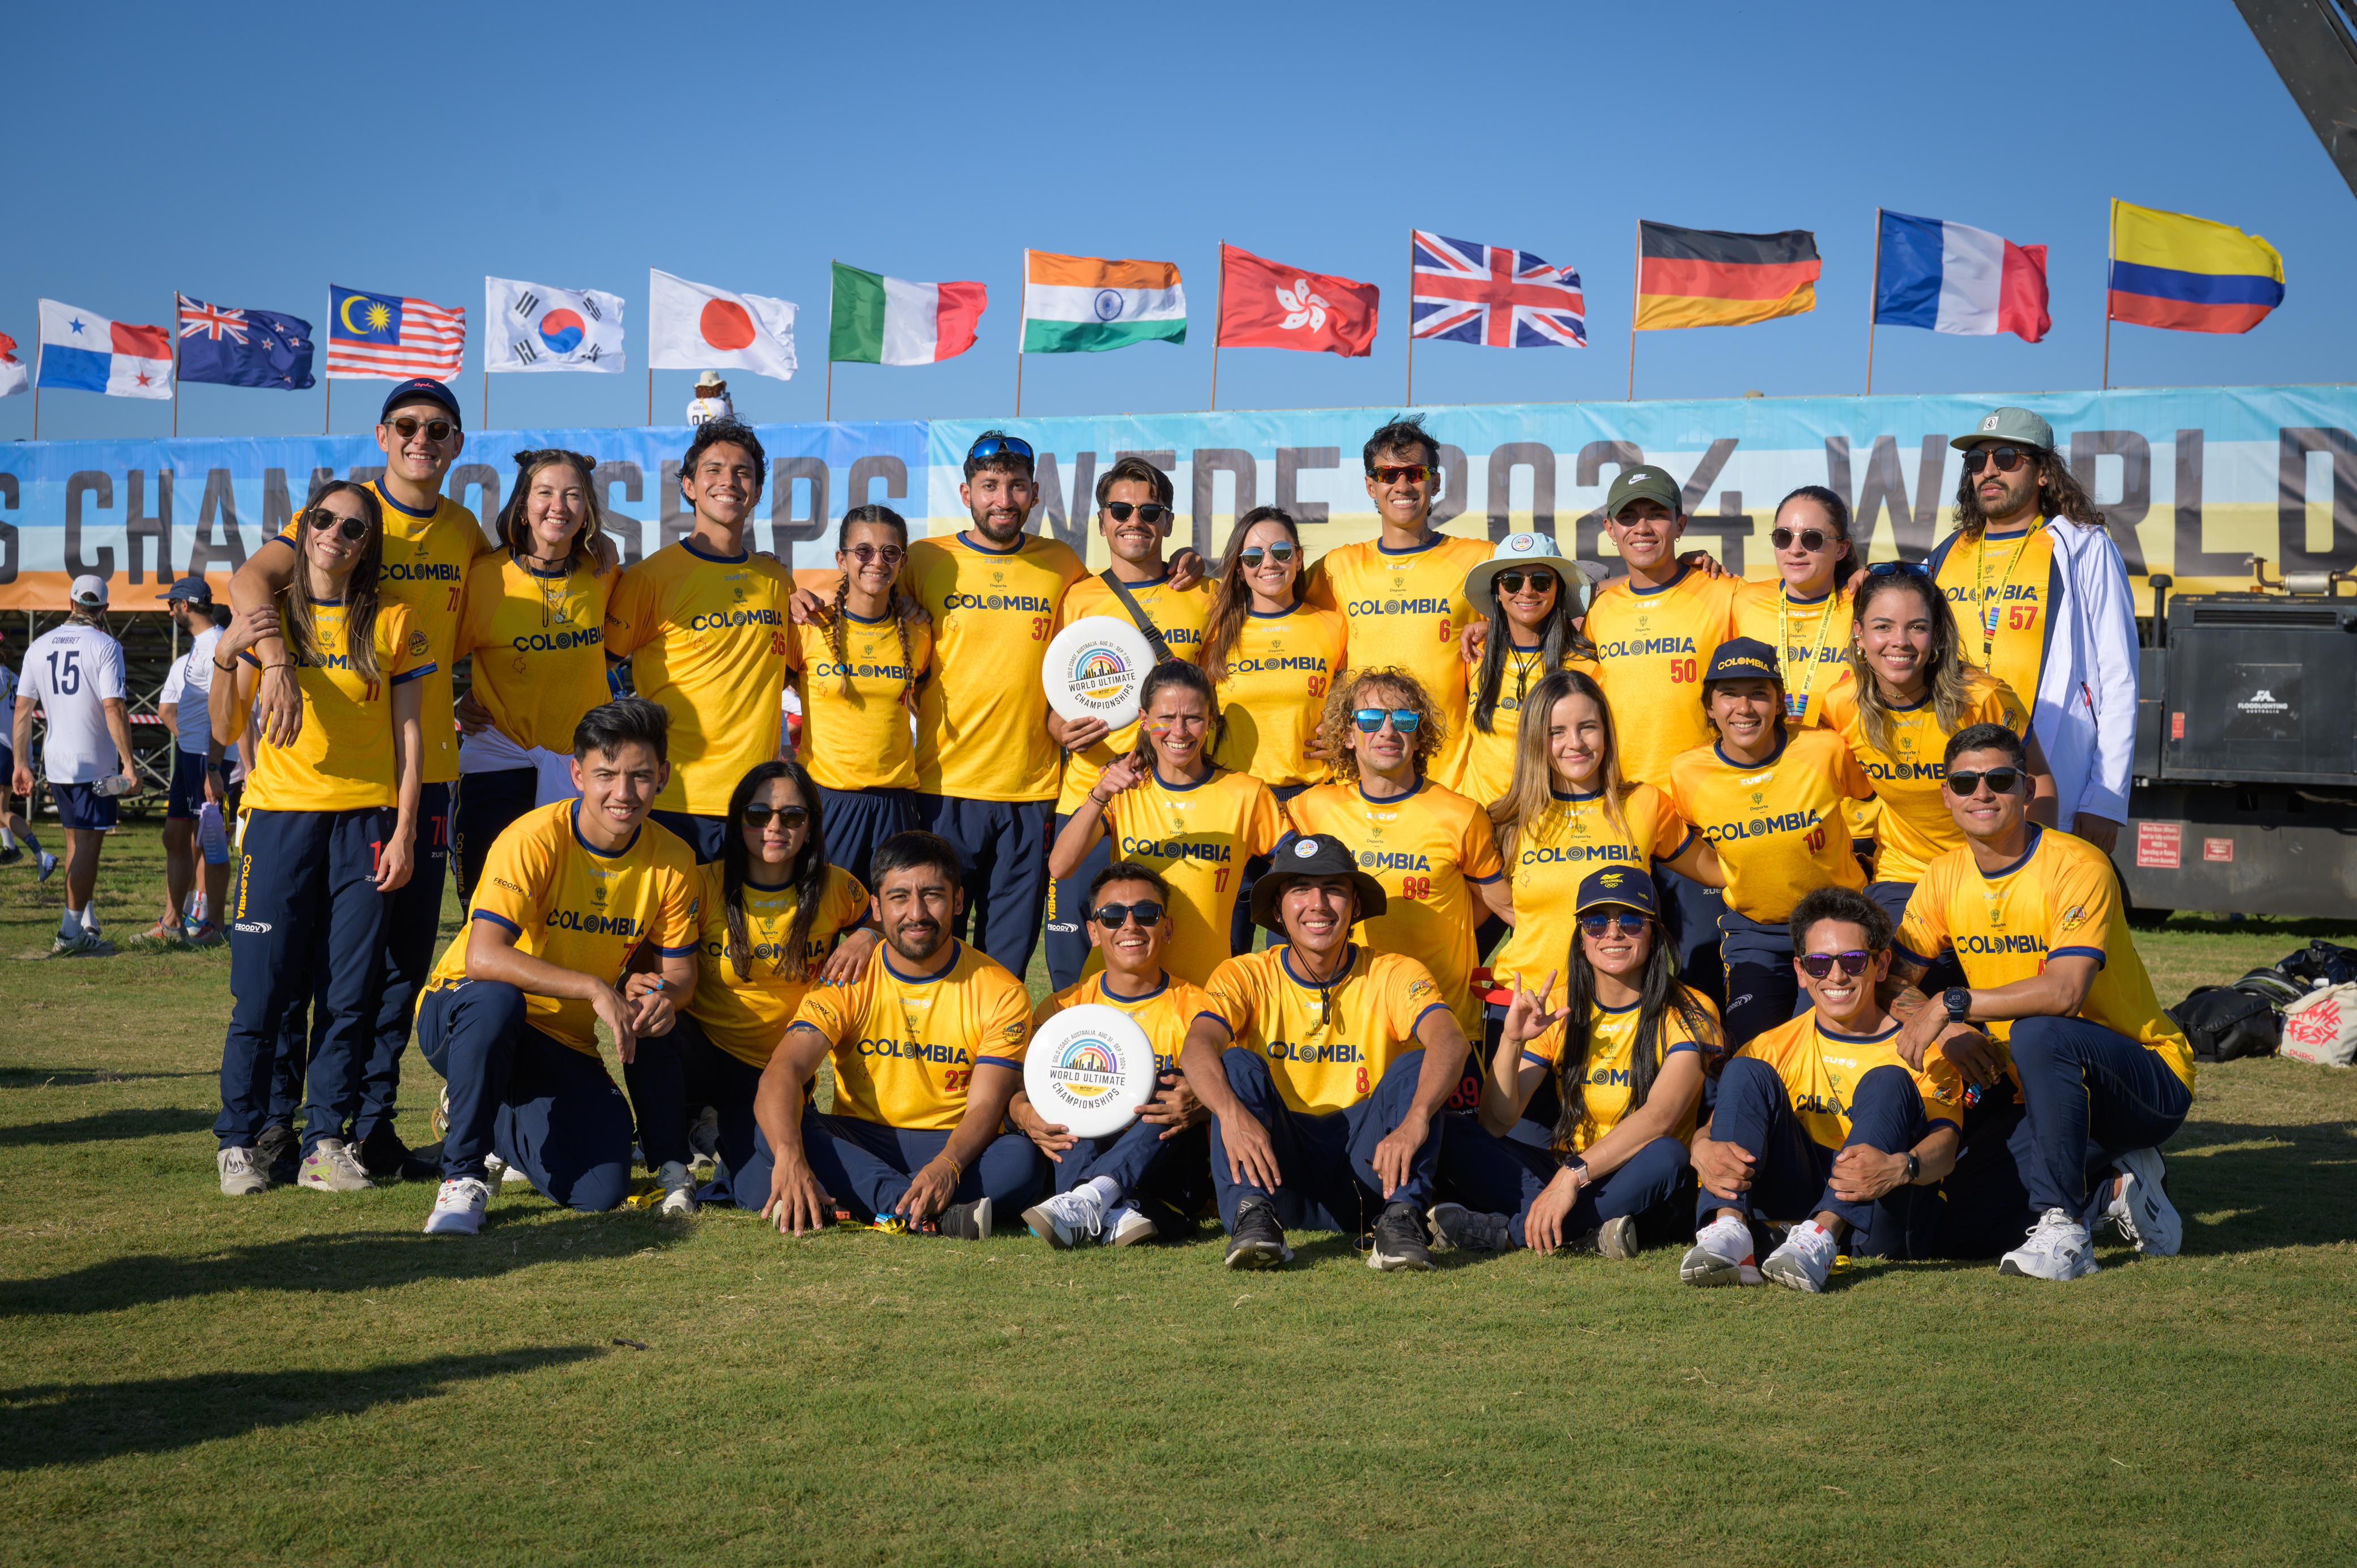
(304, 1377)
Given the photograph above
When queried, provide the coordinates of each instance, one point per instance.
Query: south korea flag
(531, 327)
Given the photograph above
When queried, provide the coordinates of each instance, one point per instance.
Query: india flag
(1074, 304)
(878, 320)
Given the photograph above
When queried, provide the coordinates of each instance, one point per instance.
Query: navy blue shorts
(82, 808)
(188, 798)
(705, 836)
(7, 765)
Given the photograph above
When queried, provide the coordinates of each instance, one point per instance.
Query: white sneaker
(82, 944)
(1126, 1226)
(1617, 1239)
(1806, 1260)
(499, 1172)
(1721, 1255)
(458, 1207)
(241, 1175)
(1068, 1219)
(2058, 1249)
(2147, 1221)
(679, 1189)
(330, 1167)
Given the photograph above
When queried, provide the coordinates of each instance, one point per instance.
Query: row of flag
(2168, 270)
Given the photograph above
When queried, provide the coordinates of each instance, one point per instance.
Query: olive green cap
(1645, 482)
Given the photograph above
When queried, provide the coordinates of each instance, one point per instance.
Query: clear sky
(251, 155)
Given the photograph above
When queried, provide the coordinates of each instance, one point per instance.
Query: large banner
(2196, 481)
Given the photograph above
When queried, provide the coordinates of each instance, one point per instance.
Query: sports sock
(1106, 1188)
(7, 839)
(33, 843)
(90, 917)
(70, 925)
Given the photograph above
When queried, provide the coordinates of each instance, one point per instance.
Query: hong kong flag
(1267, 305)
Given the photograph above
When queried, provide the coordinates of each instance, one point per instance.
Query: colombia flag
(1702, 277)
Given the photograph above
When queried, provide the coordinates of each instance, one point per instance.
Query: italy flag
(1075, 305)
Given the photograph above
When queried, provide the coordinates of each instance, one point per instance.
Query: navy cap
(1617, 886)
(1744, 659)
(189, 590)
(421, 389)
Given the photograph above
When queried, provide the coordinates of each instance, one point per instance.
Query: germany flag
(1702, 277)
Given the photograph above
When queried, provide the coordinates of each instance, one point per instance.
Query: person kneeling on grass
(1821, 1119)
(1585, 1109)
(1159, 1165)
(1325, 1067)
(928, 1050)
(570, 893)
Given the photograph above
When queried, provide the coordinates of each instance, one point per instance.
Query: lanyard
(1796, 705)
(1989, 607)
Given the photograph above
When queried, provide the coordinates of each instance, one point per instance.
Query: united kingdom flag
(1494, 294)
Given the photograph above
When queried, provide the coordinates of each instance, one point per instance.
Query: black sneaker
(1400, 1241)
(1259, 1241)
(281, 1154)
(386, 1158)
(1456, 1228)
(967, 1221)
(11, 855)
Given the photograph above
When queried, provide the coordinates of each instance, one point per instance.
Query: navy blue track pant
(1505, 1176)
(857, 823)
(1003, 846)
(1791, 1178)
(2088, 1096)
(544, 1108)
(1325, 1163)
(867, 1166)
(1068, 931)
(681, 1068)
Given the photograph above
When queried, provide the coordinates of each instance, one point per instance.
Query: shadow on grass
(107, 1126)
(71, 1077)
(44, 1424)
(2283, 1186)
(347, 1263)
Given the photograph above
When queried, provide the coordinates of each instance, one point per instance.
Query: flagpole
(327, 418)
(2111, 253)
(1022, 283)
(1632, 315)
(487, 395)
(1874, 302)
(176, 373)
(828, 413)
(1219, 320)
(1411, 318)
(650, 386)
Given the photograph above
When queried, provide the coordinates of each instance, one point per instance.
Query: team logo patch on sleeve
(2072, 919)
(418, 645)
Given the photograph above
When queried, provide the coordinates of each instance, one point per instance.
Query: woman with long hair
(1584, 1108)
(858, 672)
(1802, 612)
(1531, 596)
(1172, 809)
(533, 619)
(329, 828)
(776, 918)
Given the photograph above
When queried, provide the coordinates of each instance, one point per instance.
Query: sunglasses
(1512, 582)
(1396, 473)
(436, 430)
(1369, 720)
(1820, 964)
(1812, 539)
(1111, 916)
(354, 529)
(1280, 554)
(2000, 780)
(1602, 926)
(758, 815)
(1149, 511)
(890, 554)
(2006, 458)
(999, 447)
(1899, 569)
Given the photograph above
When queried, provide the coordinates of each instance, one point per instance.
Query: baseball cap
(421, 389)
(1645, 482)
(1305, 859)
(188, 590)
(89, 590)
(1743, 659)
(1617, 887)
(2010, 423)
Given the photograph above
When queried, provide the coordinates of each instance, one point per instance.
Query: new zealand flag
(244, 348)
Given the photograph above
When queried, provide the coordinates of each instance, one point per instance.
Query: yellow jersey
(2001, 589)
(1821, 1069)
(746, 1014)
(1653, 645)
(1327, 1049)
(905, 1046)
(1485, 769)
(1915, 826)
(2061, 898)
(1811, 638)
(1272, 693)
(343, 758)
(1428, 848)
(981, 720)
(1552, 856)
(1608, 1091)
(1778, 826)
(1165, 1012)
(1179, 619)
(1407, 608)
(707, 637)
(861, 739)
(539, 644)
(1197, 837)
(579, 908)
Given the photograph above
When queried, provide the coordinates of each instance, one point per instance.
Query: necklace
(1990, 607)
(1796, 703)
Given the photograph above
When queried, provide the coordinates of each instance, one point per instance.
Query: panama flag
(1953, 279)
(694, 327)
(877, 320)
(85, 350)
(531, 327)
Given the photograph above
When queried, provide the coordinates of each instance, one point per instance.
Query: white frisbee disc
(1094, 669)
(1089, 1068)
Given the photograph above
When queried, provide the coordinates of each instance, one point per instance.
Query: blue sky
(251, 155)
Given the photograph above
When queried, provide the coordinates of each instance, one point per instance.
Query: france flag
(84, 350)
(1950, 278)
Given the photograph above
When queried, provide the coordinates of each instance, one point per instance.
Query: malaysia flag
(1493, 294)
(1950, 278)
(84, 349)
(389, 337)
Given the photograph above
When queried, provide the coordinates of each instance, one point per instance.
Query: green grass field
(305, 1378)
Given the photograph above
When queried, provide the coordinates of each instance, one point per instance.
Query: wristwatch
(1914, 1168)
(1958, 1000)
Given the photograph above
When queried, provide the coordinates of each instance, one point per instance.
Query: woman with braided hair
(857, 676)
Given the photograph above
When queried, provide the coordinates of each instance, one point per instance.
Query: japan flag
(694, 327)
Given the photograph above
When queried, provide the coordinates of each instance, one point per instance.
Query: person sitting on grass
(1107, 1186)
(928, 1050)
(1823, 1121)
(570, 892)
(1324, 1066)
(1583, 1129)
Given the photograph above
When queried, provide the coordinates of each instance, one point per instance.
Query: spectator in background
(196, 780)
(711, 400)
(74, 674)
(12, 825)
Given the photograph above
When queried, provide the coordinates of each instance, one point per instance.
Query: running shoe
(458, 1207)
(678, 1189)
(49, 866)
(280, 1153)
(241, 1173)
(1400, 1241)
(1068, 1220)
(1455, 1226)
(329, 1168)
(967, 1221)
(1126, 1226)
(1805, 1260)
(1258, 1240)
(2058, 1249)
(1721, 1255)
(2147, 1221)
(1617, 1239)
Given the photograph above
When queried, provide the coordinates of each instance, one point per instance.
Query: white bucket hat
(1526, 550)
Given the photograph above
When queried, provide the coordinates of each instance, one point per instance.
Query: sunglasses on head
(2000, 780)
(1369, 720)
(2006, 458)
(1147, 511)
(408, 425)
(1280, 554)
(1812, 539)
(890, 554)
(1851, 963)
(999, 447)
(1111, 916)
(1899, 569)
(1627, 924)
(1540, 578)
(758, 813)
(354, 529)
(1397, 473)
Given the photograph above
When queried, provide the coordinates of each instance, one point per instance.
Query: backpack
(2224, 1022)
(2322, 963)
(2323, 1027)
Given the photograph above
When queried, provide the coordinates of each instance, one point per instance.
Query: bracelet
(281, 664)
(1100, 803)
(225, 669)
(959, 1169)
